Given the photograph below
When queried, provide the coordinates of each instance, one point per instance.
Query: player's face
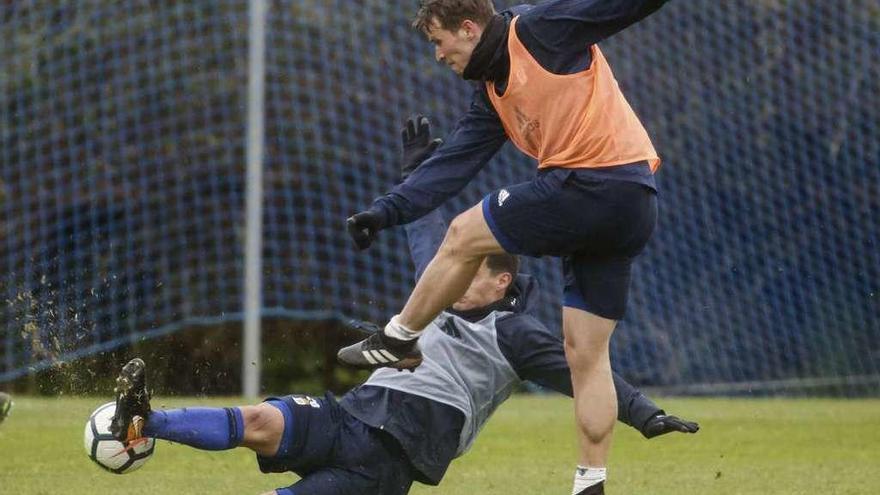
(454, 48)
(485, 289)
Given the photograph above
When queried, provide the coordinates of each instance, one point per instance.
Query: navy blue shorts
(598, 227)
(335, 453)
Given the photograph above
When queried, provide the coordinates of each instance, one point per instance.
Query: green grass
(745, 447)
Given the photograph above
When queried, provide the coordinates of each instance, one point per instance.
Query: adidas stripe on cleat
(379, 356)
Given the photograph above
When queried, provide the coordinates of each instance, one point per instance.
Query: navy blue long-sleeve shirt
(558, 35)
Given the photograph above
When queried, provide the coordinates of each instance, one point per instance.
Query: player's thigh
(372, 458)
(535, 218)
(310, 436)
(469, 234)
(367, 461)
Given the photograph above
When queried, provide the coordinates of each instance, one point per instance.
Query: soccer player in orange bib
(543, 83)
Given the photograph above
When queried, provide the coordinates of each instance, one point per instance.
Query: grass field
(745, 447)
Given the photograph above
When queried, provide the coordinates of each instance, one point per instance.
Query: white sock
(585, 477)
(397, 330)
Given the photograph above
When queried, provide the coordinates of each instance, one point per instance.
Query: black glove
(417, 144)
(660, 424)
(363, 227)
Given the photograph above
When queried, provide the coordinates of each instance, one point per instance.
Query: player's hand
(660, 424)
(364, 226)
(417, 144)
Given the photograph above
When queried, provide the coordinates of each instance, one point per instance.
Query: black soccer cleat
(381, 351)
(132, 402)
(597, 489)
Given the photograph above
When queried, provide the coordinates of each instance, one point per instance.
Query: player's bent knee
(584, 354)
(586, 348)
(586, 333)
(585, 359)
(456, 235)
(263, 428)
(467, 237)
(262, 418)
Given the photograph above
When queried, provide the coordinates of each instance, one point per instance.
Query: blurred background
(123, 137)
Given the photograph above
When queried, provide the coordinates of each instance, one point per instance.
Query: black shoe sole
(130, 377)
(406, 364)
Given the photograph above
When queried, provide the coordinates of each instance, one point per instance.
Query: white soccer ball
(109, 453)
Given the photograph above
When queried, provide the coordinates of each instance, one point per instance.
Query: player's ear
(504, 280)
(470, 29)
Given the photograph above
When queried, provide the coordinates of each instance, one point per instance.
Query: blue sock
(205, 428)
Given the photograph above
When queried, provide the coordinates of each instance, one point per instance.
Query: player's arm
(425, 234)
(475, 139)
(565, 25)
(538, 355)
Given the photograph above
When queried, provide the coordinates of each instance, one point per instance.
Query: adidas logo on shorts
(502, 196)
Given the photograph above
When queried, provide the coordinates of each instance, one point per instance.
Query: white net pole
(254, 201)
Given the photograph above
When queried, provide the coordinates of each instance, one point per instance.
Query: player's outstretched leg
(379, 350)
(132, 401)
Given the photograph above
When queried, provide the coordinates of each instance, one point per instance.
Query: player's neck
(490, 60)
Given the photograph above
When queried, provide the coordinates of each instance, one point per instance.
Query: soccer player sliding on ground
(543, 83)
(397, 427)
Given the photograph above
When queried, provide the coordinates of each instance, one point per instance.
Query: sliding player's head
(454, 27)
(491, 282)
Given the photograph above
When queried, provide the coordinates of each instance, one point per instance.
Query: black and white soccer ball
(109, 453)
